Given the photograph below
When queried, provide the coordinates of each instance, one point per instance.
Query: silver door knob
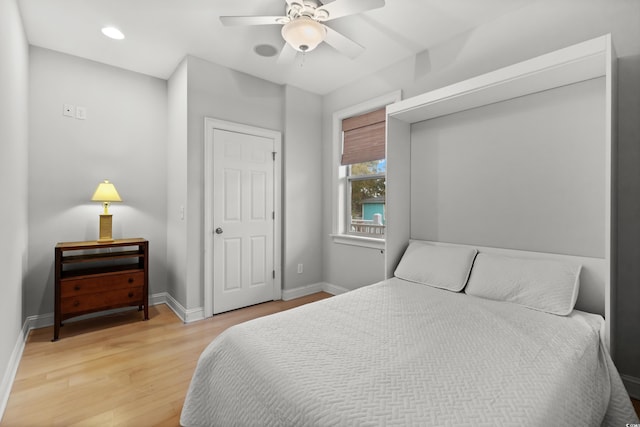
(218, 230)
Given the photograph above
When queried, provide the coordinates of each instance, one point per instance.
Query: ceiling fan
(303, 24)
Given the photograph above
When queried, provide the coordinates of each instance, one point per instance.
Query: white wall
(211, 91)
(221, 93)
(540, 27)
(302, 188)
(200, 89)
(146, 135)
(14, 71)
(177, 183)
(123, 139)
(525, 174)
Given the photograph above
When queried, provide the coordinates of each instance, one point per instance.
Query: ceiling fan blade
(251, 20)
(287, 54)
(342, 44)
(340, 8)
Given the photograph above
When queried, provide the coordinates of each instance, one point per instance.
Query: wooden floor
(117, 370)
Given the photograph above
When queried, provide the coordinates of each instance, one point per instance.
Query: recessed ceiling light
(265, 50)
(113, 33)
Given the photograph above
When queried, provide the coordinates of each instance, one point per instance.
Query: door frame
(210, 124)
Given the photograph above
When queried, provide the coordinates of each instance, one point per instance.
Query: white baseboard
(160, 298)
(187, 316)
(10, 372)
(38, 321)
(632, 384)
(44, 320)
(302, 291)
(334, 289)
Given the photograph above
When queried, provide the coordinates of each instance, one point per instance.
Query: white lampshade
(304, 34)
(106, 192)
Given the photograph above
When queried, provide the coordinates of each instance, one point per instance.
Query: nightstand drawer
(90, 285)
(133, 295)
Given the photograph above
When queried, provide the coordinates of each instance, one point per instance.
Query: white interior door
(242, 227)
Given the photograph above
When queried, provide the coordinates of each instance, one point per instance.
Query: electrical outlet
(300, 268)
(68, 110)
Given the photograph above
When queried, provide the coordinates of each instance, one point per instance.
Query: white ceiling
(159, 33)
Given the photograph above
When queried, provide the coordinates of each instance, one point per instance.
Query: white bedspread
(400, 353)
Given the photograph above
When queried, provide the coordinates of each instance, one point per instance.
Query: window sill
(362, 241)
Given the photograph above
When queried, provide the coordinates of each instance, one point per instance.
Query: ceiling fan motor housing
(307, 8)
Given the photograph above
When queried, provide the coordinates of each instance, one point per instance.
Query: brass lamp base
(105, 228)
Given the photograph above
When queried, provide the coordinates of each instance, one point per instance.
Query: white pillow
(543, 285)
(445, 267)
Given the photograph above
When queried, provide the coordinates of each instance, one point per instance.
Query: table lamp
(106, 193)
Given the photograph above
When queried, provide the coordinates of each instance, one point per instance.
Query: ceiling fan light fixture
(303, 33)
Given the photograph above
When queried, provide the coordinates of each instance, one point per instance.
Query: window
(363, 155)
(359, 174)
(366, 191)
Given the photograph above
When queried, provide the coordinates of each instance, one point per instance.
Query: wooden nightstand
(94, 276)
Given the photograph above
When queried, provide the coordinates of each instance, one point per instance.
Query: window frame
(339, 228)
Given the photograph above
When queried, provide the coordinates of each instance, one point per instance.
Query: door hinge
(273, 215)
(273, 153)
(274, 274)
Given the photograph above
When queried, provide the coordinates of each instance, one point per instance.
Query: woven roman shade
(364, 137)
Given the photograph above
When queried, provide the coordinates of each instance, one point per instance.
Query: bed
(460, 334)
(456, 338)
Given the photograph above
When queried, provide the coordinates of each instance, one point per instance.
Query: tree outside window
(367, 197)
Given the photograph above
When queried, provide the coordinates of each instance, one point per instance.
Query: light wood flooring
(118, 370)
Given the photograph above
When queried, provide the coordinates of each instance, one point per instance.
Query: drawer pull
(130, 294)
(76, 287)
(76, 303)
(130, 279)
